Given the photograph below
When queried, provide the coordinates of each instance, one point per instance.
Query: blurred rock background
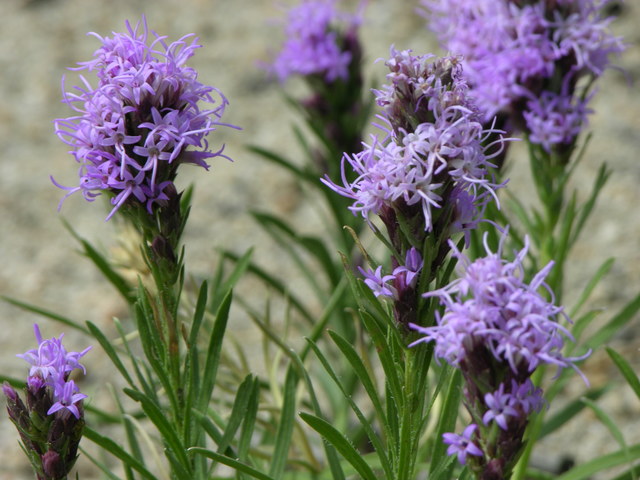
(39, 39)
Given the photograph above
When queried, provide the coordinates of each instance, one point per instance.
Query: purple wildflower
(434, 144)
(51, 365)
(314, 43)
(378, 283)
(66, 395)
(462, 445)
(491, 308)
(518, 402)
(515, 51)
(51, 358)
(132, 131)
(51, 420)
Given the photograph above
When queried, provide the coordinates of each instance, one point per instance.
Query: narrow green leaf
(285, 426)
(330, 452)
(213, 352)
(238, 412)
(601, 179)
(165, 428)
(235, 464)
(361, 371)
(220, 287)
(615, 324)
(104, 468)
(105, 267)
(192, 367)
(283, 235)
(46, 314)
(588, 290)
(129, 429)
(607, 421)
(341, 444)
(611, 460)
(275, 284)
(569, 411)
(117, 451)
(389, 365)
(446, 422)
(366, 423)
(626, 370)
(110, 351)
(284, 163)
(249, 422)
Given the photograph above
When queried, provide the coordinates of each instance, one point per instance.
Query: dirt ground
(39, 39)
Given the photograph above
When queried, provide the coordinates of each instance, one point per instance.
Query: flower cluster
(50, 423)
(51, 365)
(515, 51)
(316, 42)
(433, 154)
(142, 121)
(497, 329)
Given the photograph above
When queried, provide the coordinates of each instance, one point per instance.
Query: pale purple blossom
(66, 395)
(142, 120)
(462, 445)
(517, 51)
(51, 365)
(491, 308)
(379, 284)
(314, 43)
(434, 142)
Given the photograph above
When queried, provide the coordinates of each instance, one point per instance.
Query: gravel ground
(41, 38)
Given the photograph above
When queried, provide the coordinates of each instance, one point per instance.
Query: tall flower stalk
(131, 133)
(497, 330)
(535, 69)
(427, 180)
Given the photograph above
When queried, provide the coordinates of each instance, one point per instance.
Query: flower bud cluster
(526, 60)
(497, 329)
(142, 121)
(50, 423)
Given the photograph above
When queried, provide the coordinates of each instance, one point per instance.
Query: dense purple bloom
(142, 120)
(462, 445)
(491, 308)
(51, 365)
(434, 144)
(314, 43)
(514, 51)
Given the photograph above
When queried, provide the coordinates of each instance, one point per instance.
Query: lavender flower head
(142, 120)
(315, 42)
(514, 51)
(433, 152)
(491, 311)
(51, 420)
(51, 365)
